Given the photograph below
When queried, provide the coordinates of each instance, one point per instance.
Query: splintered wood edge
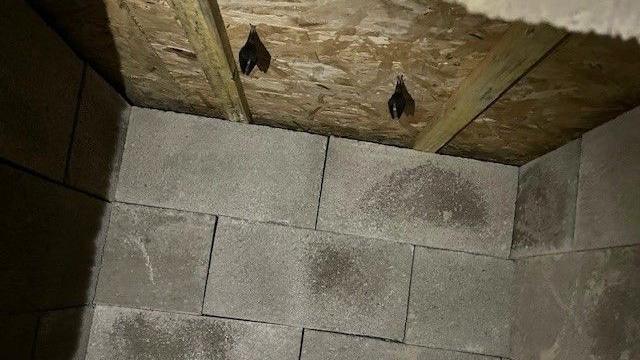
(520, 49)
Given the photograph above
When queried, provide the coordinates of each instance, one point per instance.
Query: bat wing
(410, 104)
(264, 58)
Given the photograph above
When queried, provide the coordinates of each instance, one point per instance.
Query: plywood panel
(585, 81)
(334, 62)
(106, 34)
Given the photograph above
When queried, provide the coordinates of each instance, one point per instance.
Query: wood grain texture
(584, 82)
(334, 62)
(108, 37)
(518, 50)
(204, 27)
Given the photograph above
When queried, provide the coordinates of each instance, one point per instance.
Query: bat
(254, 53)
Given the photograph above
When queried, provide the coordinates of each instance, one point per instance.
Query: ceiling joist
(521, 47)
(204, 27)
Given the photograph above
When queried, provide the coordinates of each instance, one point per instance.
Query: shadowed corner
(61, 134)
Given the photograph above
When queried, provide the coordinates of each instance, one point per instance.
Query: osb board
(334, 62)
(586, 81)
(106, 33)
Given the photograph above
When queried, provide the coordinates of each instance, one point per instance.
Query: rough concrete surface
(17, 333)
(460, 302)
(99, 137)
(300, 277)
(404, 195)
(119, 334)
(578, 306)
(329, 346)
(64, 334)
(608, 208)
(51, 243)
(546, 202)
(155, 259)
(616, 18)
(39, 86)
(207, 165)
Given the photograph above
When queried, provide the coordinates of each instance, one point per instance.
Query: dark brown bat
(401, 101)
(254, 53)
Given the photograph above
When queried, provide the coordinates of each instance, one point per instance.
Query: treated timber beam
(513, 56)
(203, 24)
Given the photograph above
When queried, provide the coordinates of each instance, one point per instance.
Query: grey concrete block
(156, 259)
(545, 207)
(300, 277)
(578, 306)
(39, 79)
(460, 302)
(219, 167)
(329, 346)
(64, 334)
(608, 209)
(426, 199)
(17, 333)
(52, 238)
(119, 334)
(99, 138)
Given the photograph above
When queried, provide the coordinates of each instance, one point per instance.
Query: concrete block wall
(137, 233)
(231, 221)
(61, 130)
(577, 248)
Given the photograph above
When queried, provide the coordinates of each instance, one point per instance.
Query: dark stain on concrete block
(578, 306)
(119, 333)
(427, 193)
(545, 206)
(149, 339)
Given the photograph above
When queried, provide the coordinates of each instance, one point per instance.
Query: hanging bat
(401, 101)
(254, 53)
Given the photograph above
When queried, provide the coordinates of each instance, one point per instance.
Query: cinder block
(17, 333)
(578, 306)
(305, 278)
(608, 209)
(64, 334)
(460, 302)
(52, 238)
(219, 167)
(330, 346)
(156, 259)
(99, 138)
(545, 207)
(119, 333)
(425, 199)
(39, 82)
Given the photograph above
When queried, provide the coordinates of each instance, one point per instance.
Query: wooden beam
(513, 56)
(203, 24)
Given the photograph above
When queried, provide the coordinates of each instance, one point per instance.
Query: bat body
(401, 101)
(254, 53)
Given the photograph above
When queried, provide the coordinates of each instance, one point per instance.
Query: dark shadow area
(61, 132)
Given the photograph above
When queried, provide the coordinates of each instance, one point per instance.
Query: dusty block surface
(155, 259)
(119, 334)
(404, 195)
(329, 346)
(99, 137)
(578, 306)
(545, 207)
(17, 333)
(299, 277)
(64, 334)
(51, 238)
(214, 166)
(39, 79)
(608, 209)
(460, 302)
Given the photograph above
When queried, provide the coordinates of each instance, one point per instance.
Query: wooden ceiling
(522, 90)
